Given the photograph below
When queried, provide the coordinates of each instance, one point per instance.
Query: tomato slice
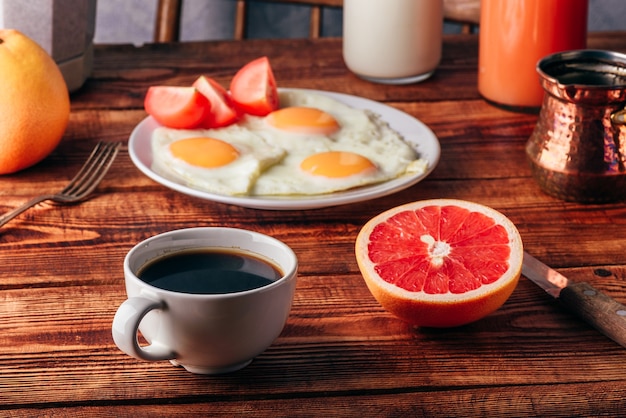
(223, 111)
(253, 88)
(176, 107)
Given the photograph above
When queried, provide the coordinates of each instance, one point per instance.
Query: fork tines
(93, 171)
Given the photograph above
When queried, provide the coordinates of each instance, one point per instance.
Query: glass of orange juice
(514, 35)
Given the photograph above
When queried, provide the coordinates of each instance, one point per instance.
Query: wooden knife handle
(599, 310)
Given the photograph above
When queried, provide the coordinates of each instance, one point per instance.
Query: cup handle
(126, 325)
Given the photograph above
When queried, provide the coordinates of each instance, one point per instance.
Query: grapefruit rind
(448, 309)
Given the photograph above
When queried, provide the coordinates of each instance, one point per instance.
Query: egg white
(235, 178)
(361, 132)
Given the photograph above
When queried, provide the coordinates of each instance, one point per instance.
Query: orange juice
(515, 35)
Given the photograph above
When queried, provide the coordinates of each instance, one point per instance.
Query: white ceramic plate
(414, 132)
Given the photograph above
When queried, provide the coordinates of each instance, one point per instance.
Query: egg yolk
(303, 120)
(336, 164)
(204, 152)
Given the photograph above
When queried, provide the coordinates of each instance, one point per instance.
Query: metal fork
(82, 185)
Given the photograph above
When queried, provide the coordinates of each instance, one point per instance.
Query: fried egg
(359, 150)
(225, 161)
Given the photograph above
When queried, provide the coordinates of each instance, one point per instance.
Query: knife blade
(594, 307)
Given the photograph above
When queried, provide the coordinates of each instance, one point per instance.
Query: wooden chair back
(167, 25)
(464, 12)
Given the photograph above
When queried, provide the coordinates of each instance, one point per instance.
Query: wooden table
(340, 353)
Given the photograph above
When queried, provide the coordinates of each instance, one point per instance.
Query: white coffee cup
(205, 333)
(392, 41)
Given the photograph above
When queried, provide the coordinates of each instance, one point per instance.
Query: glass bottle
(514, 35)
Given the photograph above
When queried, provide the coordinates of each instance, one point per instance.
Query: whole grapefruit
(34, 102)
(440, 262)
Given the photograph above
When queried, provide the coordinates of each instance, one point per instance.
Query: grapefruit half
(441, 262)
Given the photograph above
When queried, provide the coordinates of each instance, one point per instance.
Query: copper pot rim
(608, 62)
(585, 76)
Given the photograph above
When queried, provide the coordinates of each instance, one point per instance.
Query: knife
(596, 308)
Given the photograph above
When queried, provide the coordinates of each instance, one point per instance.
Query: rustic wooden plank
(484, 402)
(540, 222)
(335, 329)
(181, 64)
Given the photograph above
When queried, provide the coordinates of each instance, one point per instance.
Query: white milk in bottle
(392, 41)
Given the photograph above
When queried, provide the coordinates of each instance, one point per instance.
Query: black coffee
(208, 271)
